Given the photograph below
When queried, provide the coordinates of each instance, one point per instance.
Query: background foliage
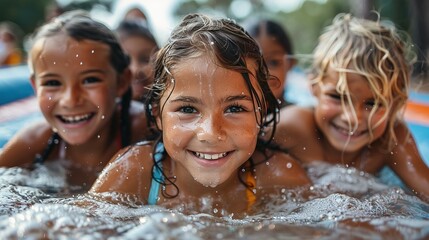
(303, 24)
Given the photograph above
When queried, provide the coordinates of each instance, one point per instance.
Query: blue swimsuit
(157, 174)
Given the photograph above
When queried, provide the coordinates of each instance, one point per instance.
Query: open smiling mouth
(76, 118)
(206, 156)
(348, 132)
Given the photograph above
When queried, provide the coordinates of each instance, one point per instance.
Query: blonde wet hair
(375, 50)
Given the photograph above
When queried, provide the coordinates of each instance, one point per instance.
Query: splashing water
(342, 203)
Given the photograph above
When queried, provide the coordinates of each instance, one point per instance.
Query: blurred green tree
(27, 14)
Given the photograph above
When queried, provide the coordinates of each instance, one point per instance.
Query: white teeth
(74, 119)
(210, 156)
(349, 133)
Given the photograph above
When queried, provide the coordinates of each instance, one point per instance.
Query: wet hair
(131, 27)
(231, 47)
(376, 50)
(79, 26)
(272, 29)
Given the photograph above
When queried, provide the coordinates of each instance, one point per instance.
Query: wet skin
(74, 84)
(329, 132)
(209, 130)
(77, 88)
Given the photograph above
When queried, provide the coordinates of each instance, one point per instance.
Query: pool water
(343, 203)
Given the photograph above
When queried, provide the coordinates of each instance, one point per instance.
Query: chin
(209, 182)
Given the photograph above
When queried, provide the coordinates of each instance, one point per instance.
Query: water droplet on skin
(289, 165)
(98, 136)
(81, 63)
(215, 210)
(304, 148)
(267, 163)
(102, 117)
(391, 153)
(92, 51)
(77, 55)
(49, 98)
(55, 63)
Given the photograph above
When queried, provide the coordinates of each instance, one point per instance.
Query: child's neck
(224, 199)
(96, 152)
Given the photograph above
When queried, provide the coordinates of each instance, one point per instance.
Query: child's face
(333, 120)
(208, 122)
(140, 50)
(277, 62)
(76, 86)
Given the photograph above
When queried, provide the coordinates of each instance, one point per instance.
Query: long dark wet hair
(231, 47)
(79, 26)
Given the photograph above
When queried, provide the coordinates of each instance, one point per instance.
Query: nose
(71, 96)
(211, 129)
(352, 114)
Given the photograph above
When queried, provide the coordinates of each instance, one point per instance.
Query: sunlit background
(303, 19)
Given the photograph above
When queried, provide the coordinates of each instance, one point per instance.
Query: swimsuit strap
(52, 142)
(157, 176)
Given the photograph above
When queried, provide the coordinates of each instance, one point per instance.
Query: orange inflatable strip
(416, 112)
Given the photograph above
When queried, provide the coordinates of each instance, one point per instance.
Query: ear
(33, 82)
(124, 82)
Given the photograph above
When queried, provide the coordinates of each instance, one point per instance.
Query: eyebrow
(190, 99)
(84, 72)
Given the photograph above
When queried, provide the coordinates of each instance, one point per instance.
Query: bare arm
(407, 163)
(22, 148)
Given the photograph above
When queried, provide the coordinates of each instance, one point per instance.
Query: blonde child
(82, 82)
(360, 77)
(210, 101)
(277, 49)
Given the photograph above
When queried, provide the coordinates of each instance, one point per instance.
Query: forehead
(64, 50)
(270, 44)
(204, 70)
(355, 83)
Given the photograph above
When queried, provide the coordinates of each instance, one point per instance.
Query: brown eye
(51, 83)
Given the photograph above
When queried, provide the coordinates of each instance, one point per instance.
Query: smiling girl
(210, 101)
(82, 82)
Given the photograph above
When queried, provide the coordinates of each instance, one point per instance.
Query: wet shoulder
(295, 123)
(128, 172)
(281, 170)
